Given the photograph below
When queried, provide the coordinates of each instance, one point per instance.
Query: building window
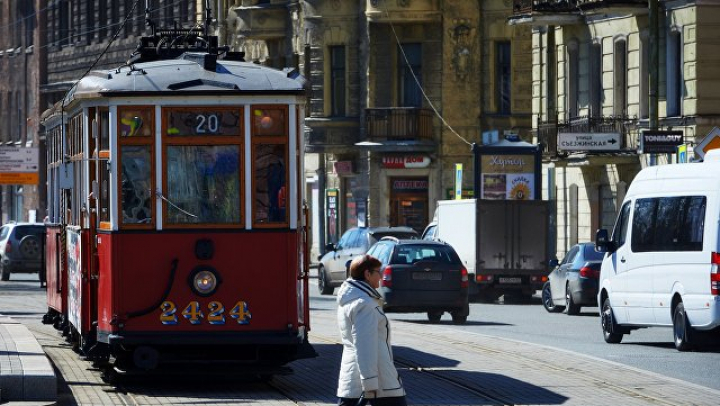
(572, 79)
(674, 73)
(64, 26)
(620, 78)
(595, 79)
(644, 76)
(503, 77)
(410, 62)
(337, 84)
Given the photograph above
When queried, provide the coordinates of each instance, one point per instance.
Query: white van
(661, 264)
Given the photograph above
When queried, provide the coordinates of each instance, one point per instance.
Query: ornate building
(593, 82)
(382, 73)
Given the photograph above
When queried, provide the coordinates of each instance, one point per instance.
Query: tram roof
(191, 73)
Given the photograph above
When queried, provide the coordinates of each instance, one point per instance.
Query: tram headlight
(204, 281)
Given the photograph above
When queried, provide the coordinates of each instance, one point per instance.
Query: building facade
(593, 83)
(399, 91)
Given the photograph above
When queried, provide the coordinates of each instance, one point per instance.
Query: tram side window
(269, 165)
(103, 168)
(135, 130)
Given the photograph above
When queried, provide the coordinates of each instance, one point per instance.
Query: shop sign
(405, 161)
(660, 142)
(343, 168)
(589, 141)
(410, 185)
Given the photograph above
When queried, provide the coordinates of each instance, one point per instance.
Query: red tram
(177, 226)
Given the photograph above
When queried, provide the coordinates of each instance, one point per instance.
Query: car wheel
(323, 286)
(570, 307)
(30, 247)
(547, 299)
(434, 317)
(460, 316)
(681, 329)
(607, 320)
(4, 274)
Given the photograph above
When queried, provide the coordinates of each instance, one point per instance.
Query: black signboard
(660, 142)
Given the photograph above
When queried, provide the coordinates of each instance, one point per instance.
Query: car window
(408, 254)
(590, 254)
(4, 231)
(361, 239)
(23, 231)
(344, 239)
(619, 234)
(383, 252)
(429, 233)
(570, 256)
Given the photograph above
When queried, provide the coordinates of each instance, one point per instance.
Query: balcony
(545, 12)
(548, 131)
(262, 20)
(399, 124)
(403, 11)
(634, 7)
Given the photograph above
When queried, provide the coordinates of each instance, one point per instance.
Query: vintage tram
(177, 225)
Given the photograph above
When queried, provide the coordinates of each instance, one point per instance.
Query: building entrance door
(409, 203)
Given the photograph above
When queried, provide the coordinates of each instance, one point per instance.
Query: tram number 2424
(194, 314)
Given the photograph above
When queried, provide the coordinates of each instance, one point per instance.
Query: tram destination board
(19, 165)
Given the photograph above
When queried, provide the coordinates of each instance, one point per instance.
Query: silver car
(332, 270)
(21, 249)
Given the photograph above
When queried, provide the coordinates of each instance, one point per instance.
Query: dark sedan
(574, 281)
(422, 276)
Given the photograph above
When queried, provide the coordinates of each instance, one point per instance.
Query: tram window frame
(103, 171)
(127, 141)
(233, 139)
(273, 135)
(74, 202)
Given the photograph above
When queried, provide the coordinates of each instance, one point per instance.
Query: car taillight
(484, 278)
(387, 277)
(536, 279)
(587, 272)
(8, 247)
(714, 275)
(463, 278)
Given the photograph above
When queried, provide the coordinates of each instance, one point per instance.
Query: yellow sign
(15, 178)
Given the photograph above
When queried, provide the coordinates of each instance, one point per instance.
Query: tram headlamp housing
(204, 281)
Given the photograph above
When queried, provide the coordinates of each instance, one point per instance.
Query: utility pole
(654, 64)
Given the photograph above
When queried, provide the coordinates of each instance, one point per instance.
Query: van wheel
(547, 299)
(609, 327)
(4, 274)
(434, 316)
(570, 307)
(323, 286)
(681, 329)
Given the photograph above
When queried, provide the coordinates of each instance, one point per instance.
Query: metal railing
(528, 6)
(399, 124)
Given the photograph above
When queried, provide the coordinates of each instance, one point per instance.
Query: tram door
(409, 203)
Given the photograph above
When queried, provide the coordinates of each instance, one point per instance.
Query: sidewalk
(25, 371)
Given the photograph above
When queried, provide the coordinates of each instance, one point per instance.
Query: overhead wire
(417, 81)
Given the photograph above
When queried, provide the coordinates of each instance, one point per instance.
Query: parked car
(574, 281)
(332, 270)
(422, 276)
(21, 248)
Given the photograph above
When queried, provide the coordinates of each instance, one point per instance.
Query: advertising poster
(507, 177)
(74, 265)
(331, 207)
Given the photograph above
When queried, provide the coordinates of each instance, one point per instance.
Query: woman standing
(367, 370)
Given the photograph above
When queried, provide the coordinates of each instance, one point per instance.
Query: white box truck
(503, 243)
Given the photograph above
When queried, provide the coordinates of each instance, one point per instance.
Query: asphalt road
(650, 349)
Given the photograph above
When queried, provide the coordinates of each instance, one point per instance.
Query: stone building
(382, 74)
(591, 79)
(19, 99)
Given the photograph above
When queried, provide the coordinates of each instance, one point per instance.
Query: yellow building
(381, 74)
(591, 104)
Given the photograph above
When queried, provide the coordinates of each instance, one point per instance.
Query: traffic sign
(589, 141)
(16, 159)
(711, 141)
(10, 178)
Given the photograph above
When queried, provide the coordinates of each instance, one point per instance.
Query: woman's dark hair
(360, 264)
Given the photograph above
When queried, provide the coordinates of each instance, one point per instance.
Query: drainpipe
(321, 202)
(654, 65)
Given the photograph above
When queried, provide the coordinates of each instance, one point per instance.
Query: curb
(25, 372)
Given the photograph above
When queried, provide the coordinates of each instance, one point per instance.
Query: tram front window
(203, 184)
(136, 184)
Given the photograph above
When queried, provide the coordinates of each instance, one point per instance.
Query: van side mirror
(330, 247)
(553, 262)
(603, 242)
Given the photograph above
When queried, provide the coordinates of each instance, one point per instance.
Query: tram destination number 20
(194, 314)
(207, 124)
